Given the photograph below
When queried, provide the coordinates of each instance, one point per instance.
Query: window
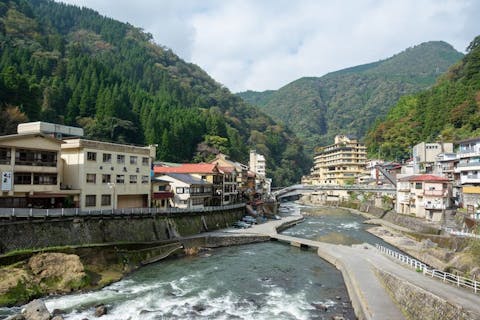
(91, 156)
(181, 190)
(133, 159)
(107, 157)
(145, 161)
(22, 178)
(197, 201)
(45, 178)
(35, 158)
(120, 178)
(5, 155)
(418, 185)
(106, 178)
(120, 158)
(106, 199)
(145, 179)
(133, 178)
(91, 178)
(90, 200)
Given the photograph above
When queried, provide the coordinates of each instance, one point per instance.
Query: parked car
(241, 225)
(249, 219)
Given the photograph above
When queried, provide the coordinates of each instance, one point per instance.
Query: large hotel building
(340, 163)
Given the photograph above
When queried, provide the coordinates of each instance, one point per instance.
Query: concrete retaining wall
(89, 230)
(420, 304)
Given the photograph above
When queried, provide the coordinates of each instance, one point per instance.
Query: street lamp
(112, 186)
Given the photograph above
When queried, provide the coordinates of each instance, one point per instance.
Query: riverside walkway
(360, 265)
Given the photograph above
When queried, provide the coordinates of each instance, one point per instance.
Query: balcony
(438, 193)
(434, 206)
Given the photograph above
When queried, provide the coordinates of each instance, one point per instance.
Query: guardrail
(464, 234)
(71, 212)
(427, 271)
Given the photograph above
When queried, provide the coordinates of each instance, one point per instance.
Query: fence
(427, 271)
(71, 212)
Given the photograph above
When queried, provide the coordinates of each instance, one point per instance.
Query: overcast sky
(265, 44)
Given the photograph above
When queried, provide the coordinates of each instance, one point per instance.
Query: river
(259, 281)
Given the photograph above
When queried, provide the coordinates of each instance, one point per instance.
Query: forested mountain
(70, 65)
(348, 101)
(448, 111)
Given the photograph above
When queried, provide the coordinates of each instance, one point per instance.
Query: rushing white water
(258, 281)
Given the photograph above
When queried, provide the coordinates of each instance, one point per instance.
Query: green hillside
(350, 100)
(70, 65)
(448, 111)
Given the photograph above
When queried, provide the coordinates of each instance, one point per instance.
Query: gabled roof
(206, 168)
(226, 169)
(186, 178)
(425, 178)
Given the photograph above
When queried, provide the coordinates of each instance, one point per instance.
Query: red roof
(188, 168)
(427, 178)
(227, 169)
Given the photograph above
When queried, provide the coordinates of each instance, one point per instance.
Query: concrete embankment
(84, 230)
(368, 277)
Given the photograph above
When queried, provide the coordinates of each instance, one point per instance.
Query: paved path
(358, 264)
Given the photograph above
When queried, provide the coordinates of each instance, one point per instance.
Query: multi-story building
(32, 173)
(424, 155)
(468, 169)
(340, 163)
(109, 175)
(188, 190)
(206, 171)
(257, 164)
(424, 196)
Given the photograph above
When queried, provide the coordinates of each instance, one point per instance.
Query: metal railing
(72, 212)
(428, 271)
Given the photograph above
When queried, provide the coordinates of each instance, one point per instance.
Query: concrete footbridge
(302, 189)
(367, 273)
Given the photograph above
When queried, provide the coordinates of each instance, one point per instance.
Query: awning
(48, 195)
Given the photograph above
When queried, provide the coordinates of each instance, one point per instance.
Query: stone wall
(420, 304)
(410, 222)
(29, 234)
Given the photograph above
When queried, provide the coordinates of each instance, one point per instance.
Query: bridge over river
(302, 189)
(362, 267)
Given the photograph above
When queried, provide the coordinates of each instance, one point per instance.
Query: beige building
(424, 155)
(340, 163)
(31, 171)
(424, 196)
(109, 175)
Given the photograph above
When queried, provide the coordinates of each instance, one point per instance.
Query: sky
(266, 44)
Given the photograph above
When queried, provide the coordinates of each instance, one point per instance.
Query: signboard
(6, 181)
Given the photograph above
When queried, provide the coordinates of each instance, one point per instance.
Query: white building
(188, 191)
(109, 175)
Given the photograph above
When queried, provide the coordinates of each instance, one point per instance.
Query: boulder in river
(100, 310)
(36, 310)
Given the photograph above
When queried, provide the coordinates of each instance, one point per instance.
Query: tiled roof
(187, 168)
(426, 177)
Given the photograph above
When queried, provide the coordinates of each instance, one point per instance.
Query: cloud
(258, 45)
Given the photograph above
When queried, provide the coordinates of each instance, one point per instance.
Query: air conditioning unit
(137, 170)
(124, 169)
(112, 168)
(101, 168)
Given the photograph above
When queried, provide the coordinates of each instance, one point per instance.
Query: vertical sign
(6, 181)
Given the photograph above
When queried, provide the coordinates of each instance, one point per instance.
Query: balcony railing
(438, 206)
